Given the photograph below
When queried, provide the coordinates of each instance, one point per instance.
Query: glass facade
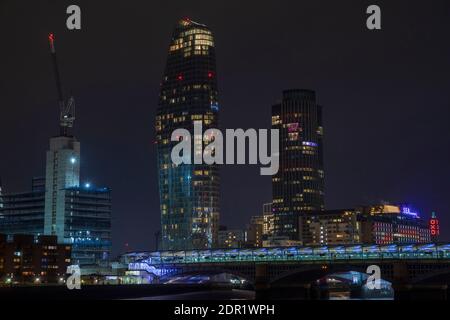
(298, 187)
(88, 225)
(23, 212)
(189, 193)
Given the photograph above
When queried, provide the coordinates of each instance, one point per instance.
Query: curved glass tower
(189, 193)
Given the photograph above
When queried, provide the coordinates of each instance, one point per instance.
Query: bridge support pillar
(262, 281)
(400, 273)
(404, 290)
(421, 292)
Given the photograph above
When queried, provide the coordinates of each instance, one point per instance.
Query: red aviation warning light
(434, 225)
(51, 41)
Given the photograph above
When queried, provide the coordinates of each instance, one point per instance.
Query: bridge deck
(322, 253)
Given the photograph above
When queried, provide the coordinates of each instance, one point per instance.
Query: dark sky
(385, 96)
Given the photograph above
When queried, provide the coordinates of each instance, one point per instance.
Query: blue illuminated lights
(73, 160)
(407, 211)
(214, 106)
(87, 185)
(310, 144)
(301, 254)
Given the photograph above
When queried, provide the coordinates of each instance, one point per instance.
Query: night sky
(385, 96)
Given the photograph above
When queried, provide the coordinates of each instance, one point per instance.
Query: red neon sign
(434, 227)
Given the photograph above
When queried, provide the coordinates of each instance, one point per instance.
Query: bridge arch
(309, 274)
(247, 275)
(437, 277)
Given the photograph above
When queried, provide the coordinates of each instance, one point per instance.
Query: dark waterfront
(233, 294)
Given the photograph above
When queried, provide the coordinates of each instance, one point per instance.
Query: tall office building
(298, 187)
(189, 194)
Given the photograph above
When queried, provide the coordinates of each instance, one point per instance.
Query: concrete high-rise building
(189, 193)
(62, 172)
(298, 187)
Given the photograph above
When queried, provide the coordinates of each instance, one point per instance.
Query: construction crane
(66, 106)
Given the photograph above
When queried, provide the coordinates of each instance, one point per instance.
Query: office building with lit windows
(86, 223)
(231, 238)
(298, 187)
(384, 224)
(333, 227)
(189, 193)
(77, 214)
(255, 232)
(268, 220)
(23, 212)
(379, 224)
(26, 259)
(57, 205)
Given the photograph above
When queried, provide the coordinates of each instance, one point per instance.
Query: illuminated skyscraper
(298, 187)
(189, 194)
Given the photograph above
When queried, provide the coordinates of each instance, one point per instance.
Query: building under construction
(59, 204)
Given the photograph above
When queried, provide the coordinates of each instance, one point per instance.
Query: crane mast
(66, 106)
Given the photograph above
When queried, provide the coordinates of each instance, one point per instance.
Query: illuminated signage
(407, 211)
(293, 127)
(434, 225)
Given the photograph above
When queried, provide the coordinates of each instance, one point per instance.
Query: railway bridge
(410, 268)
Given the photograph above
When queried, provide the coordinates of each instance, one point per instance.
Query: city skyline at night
(224, 158)
(380, 145)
